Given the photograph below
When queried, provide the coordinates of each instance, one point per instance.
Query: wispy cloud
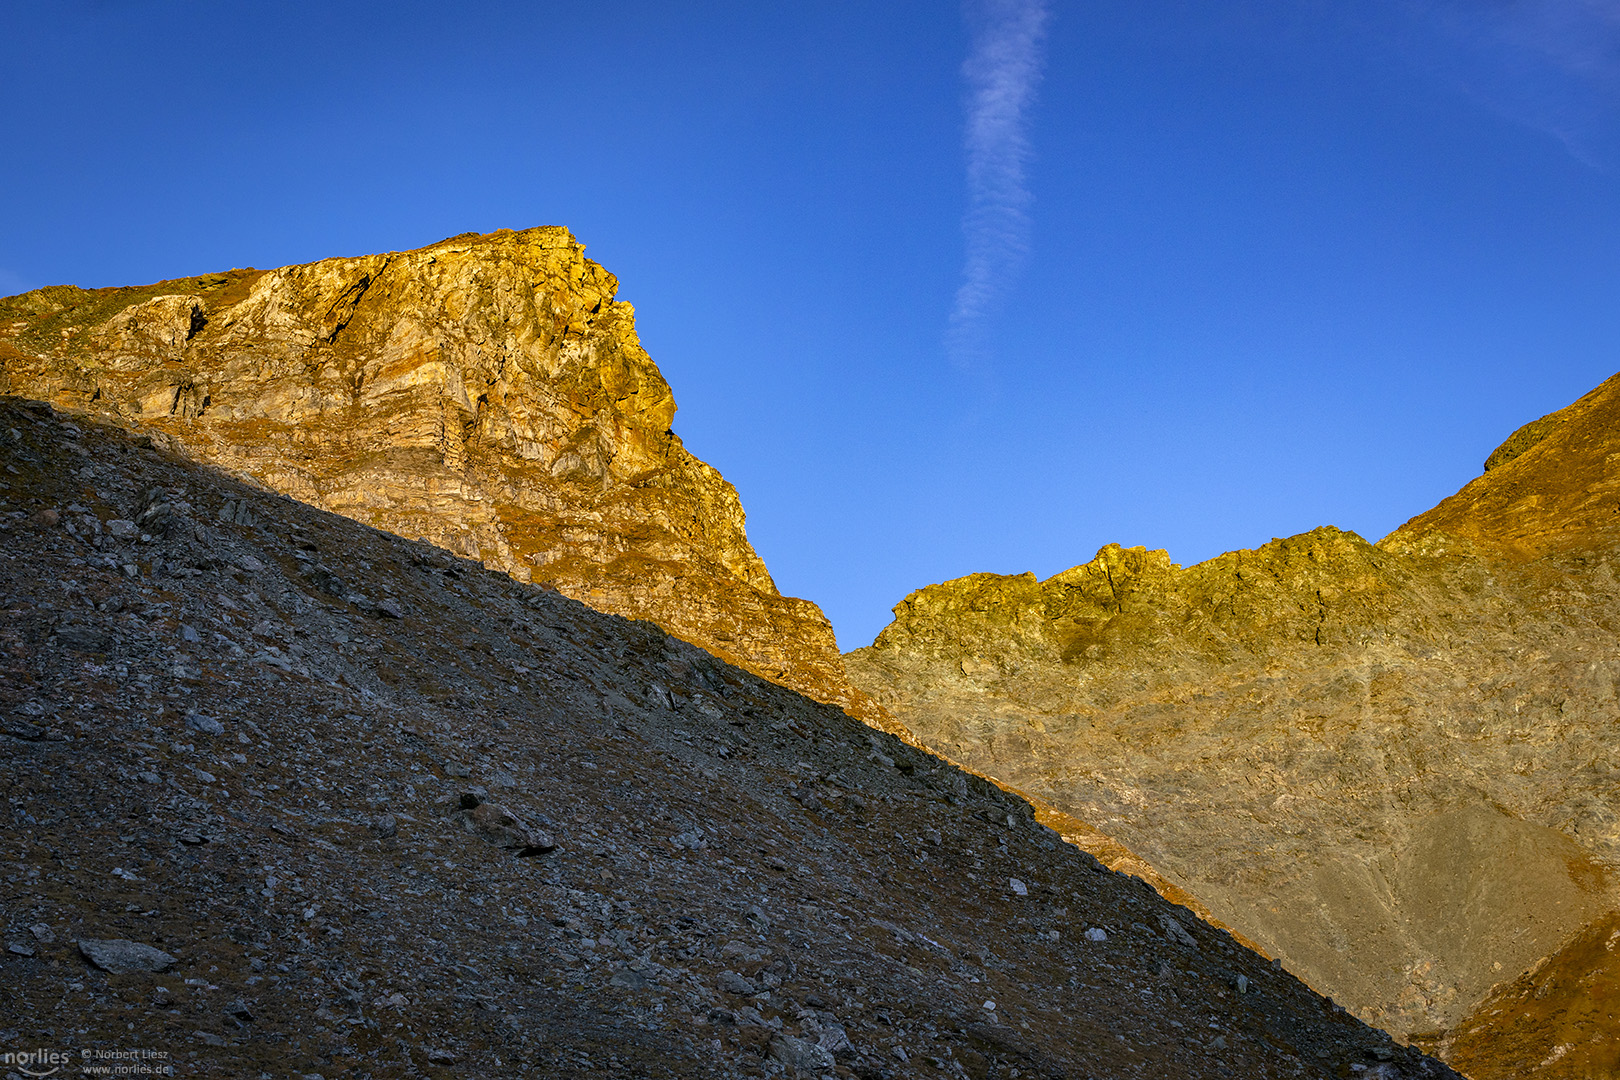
(1551, 65)
(1002, 73)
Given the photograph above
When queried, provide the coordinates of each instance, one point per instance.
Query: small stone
(122, 529)
(1176, 932)
(20, 949)
(441, 1057)
(42, 933)
(21, 729)
(389, 608)
(149, 777)
(801, 1054)
(1242, 984)
(732, 983)
(1018, 887)
(989, 1006)
(1096, 933)
(122, 957)
(189, 633)
(205, 724)
(834, 1039)
(500, 826)
(632, 980)
(83, 638)
(385, 826)
(1218, 1043)
(131, 570)
(50, 518)
(456, 769)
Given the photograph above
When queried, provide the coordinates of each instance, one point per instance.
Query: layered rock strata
(487, 393)
(1394, 765)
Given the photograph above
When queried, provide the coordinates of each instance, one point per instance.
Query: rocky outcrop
(1394, 765)
(487, 393)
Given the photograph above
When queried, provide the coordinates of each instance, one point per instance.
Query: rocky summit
(287, 795)
(487, 394)
(1395, 766)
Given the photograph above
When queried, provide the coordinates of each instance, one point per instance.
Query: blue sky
(1271, 265)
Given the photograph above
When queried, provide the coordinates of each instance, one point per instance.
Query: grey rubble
(743, 882)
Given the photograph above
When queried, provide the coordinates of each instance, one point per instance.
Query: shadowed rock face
(437, 822)
(487, 393)
(1396, 765)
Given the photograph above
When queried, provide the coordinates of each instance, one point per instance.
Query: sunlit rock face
(1395, 765)
(487, 393)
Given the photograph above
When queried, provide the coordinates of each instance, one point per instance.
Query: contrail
(1001, 72)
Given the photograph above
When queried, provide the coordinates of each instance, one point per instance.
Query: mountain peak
(487, 393)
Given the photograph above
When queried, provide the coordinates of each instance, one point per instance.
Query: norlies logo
(36, 1062)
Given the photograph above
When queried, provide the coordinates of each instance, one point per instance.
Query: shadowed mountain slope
(290, 795)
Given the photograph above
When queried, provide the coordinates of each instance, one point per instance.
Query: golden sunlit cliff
(486, 393)
(1393, 765)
